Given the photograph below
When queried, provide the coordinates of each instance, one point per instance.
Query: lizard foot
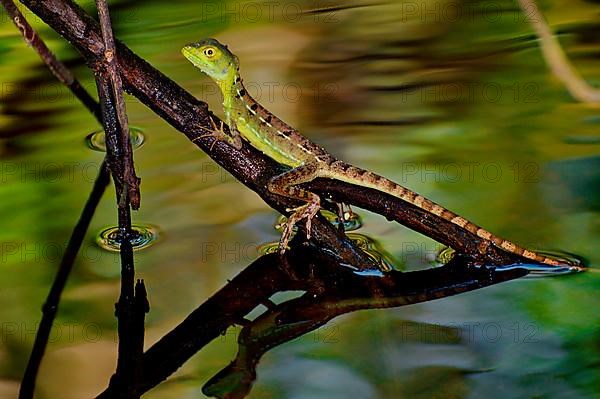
(307, 211)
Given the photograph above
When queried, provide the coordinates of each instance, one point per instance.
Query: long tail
(340, 170)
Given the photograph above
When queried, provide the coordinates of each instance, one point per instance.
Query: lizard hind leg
(286, 184)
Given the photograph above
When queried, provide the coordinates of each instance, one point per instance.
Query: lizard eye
(209, 52)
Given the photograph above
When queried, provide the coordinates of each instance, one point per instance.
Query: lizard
(250, 120)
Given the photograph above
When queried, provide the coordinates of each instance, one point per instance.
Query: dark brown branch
(191, 117)
(119, 159)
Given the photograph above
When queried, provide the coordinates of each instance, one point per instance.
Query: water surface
(457, 105)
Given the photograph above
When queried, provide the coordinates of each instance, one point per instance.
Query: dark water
(451, 99)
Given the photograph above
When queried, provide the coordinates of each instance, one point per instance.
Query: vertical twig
(124, 308)
(129, 315)
(50, 307)
(130, 181)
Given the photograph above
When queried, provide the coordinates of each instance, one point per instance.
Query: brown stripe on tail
(342, 171)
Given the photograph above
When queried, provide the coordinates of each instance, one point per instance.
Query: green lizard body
(281, 142)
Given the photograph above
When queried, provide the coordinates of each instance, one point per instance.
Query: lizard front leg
(286, 184)
(234, 139)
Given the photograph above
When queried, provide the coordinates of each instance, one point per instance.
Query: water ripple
(142, 237)
(97, 140)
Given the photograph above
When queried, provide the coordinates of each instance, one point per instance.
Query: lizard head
(212, 58)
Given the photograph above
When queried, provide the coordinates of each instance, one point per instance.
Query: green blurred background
(450, 98)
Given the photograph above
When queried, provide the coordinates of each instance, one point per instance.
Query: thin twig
(130, 181)
(124, 308)
(555, 57)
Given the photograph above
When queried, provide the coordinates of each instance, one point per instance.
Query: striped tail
(342, 171)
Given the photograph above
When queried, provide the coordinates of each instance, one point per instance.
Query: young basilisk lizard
(279, 141)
